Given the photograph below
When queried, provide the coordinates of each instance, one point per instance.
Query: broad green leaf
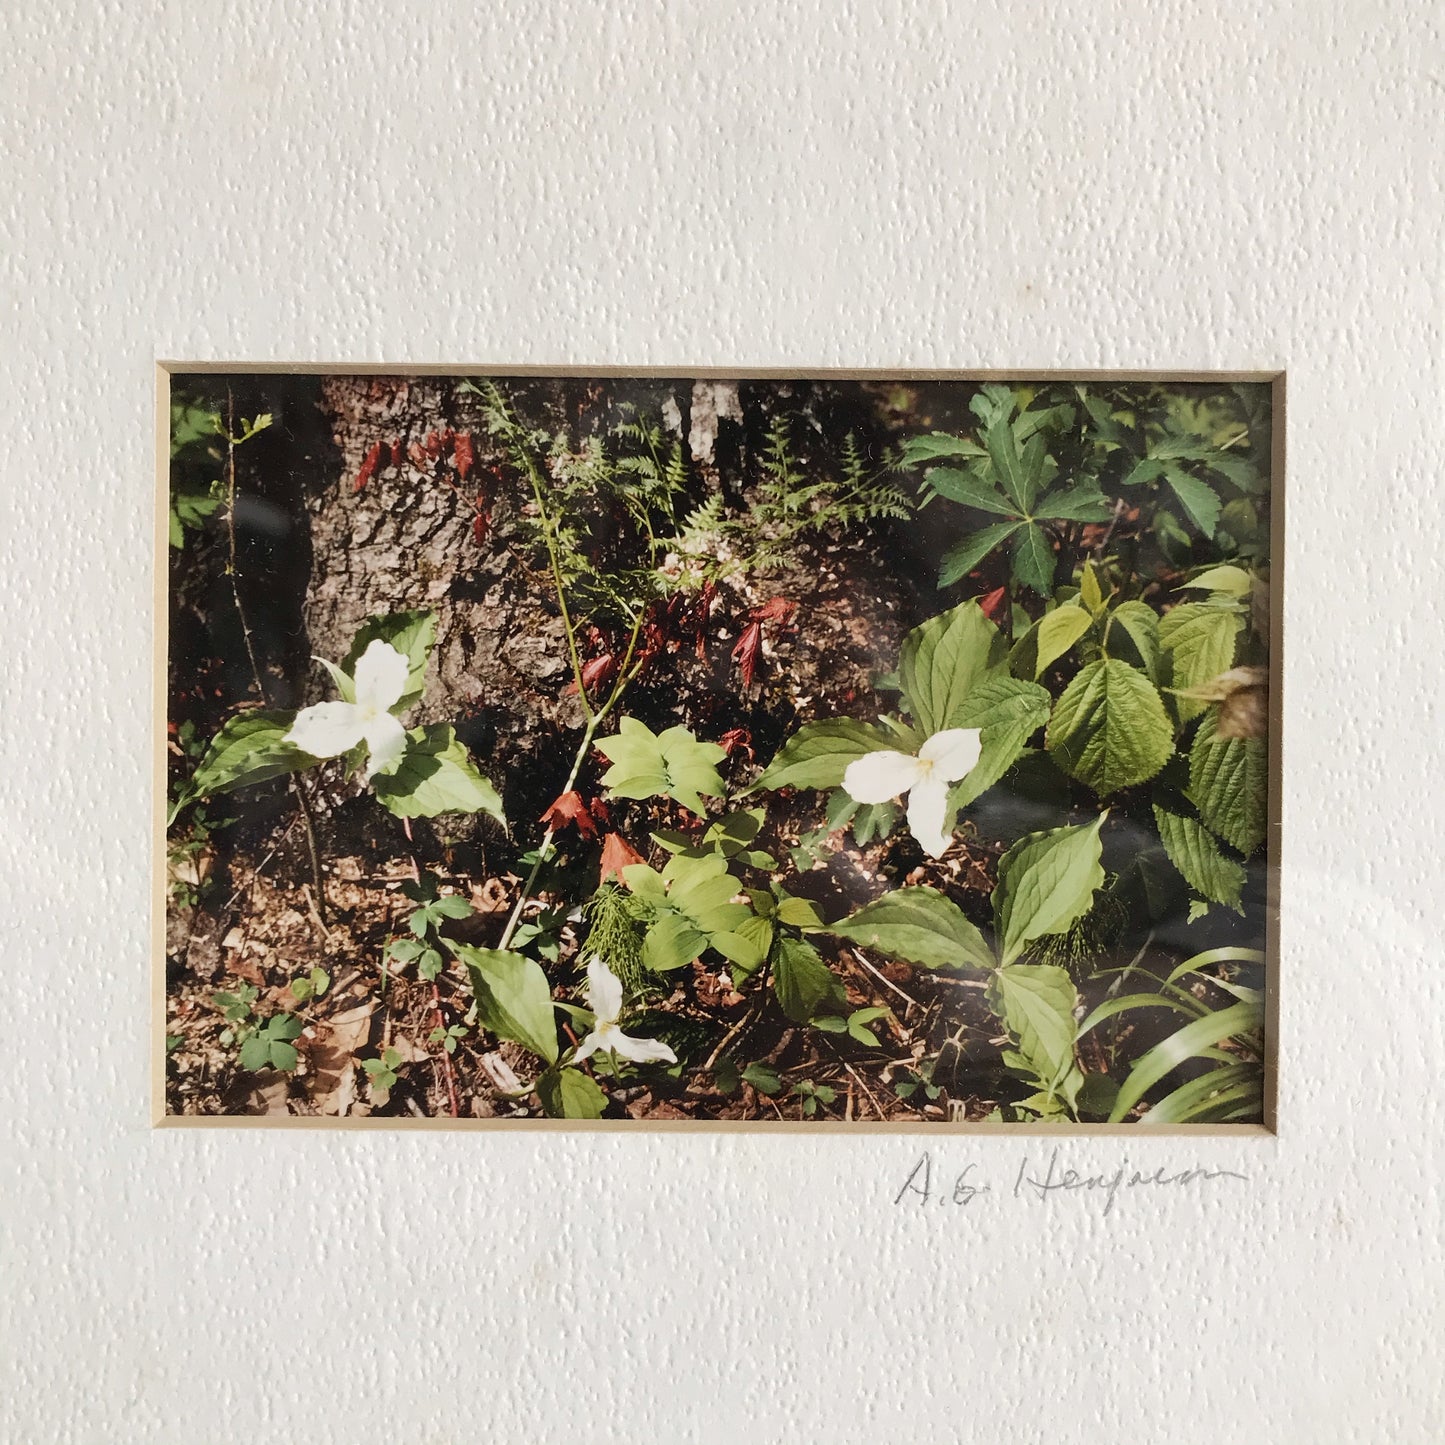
(671, 942)
(1046, 883)
(1091, 593)
(920, 925)
(436, 775)
(1229, 784)
(1192, 1041)
(1057, 632)
(514, 999)
(671, 764)
(1082, 503)
(411, 633)
(969, 489)
(1200, 639)
(249, 748)
(964, 556)
(1007, 712)
(799, 913)
(941, 662)
(255, 1053)
(343, 682)
(283, 1056)
(818, 754)
(1199, 500)
(1193, 851)
(1109, 729)
(805, 986)
(570, 1094)
(939, 444)
(1134, 629)
(1234, 581)
(703, 889)
(1053, 418)
(1036, 1003)
(1033, 560)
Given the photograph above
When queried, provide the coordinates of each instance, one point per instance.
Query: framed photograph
(717, 749)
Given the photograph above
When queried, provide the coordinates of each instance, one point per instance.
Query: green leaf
(249, 748)
(968, 489)
(1046, 883)
(942, 660)
(514, 999)
(255, 1053)
(1192, 1041)
(1137, 624)
(1199, 500)
(670, 942)
(764, 1078)
(964, 556)
(818, 754)
(283, 1056)
(1057, 632)
(1109, 729)
(858, 1025)
(1082, 503)
(799, 913)
(1033, 560)
(1019, 471)
(1007, 712)
(1193, 851)
(1036, 1003)
(570, 1094)
(805, 986)
(1200, 639)
(411, 633)
(1229, 784)
(938, 444)
(672, 764)
(1144, 470)
(436, 775)
(920, 925)
(1232, 581)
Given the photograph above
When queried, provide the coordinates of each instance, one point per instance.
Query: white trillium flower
(332, 728)
(942, 760)
(604, 998)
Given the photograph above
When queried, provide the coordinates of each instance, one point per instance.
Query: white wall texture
(807, 183)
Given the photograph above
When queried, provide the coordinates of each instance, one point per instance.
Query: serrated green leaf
(436, 775)
(1233, 581)
(1057, 632)
(1046, 883)
(1200, 639)
(805, 986)
(920, 925)
(514, 999)
(764, 1078)
(412, 634)
(942, 660)
(1134, 629)
(969, 489)
(250, 748)
(1199, 500)
(938, 444)
(1082, 503)
(1229, 784)
(1036, 1003)
(964, 556)
(1018, 470)
(1033, 560)
(1109, 729)
(570, 1094)
(818, 754)
(1193, 851)
(1147, 469)
(1007, 711)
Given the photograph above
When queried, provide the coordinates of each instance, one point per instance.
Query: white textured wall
(1044, 185)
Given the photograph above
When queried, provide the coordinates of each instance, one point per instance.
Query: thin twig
(884, 979)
